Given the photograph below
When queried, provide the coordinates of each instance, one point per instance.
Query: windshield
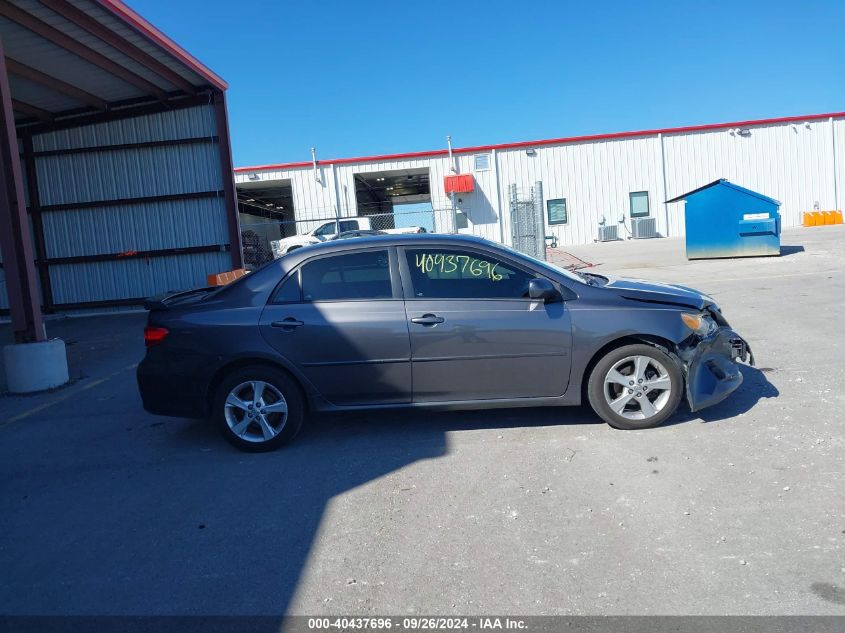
(326, 229)
(539, 263)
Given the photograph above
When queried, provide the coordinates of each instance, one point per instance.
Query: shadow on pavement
(111, 511)
(790, 250)
(755, 386)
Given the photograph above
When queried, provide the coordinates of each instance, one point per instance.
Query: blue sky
(358, 78)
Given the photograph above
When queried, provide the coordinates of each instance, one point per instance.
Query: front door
(475, 334)
(340, 321)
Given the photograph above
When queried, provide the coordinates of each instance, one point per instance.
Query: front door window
(438, 273)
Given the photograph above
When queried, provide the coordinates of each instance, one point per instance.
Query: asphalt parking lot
(738, 509)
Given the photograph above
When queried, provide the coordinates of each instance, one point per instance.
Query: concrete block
(31, 367)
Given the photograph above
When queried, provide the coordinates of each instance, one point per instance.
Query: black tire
(277, 380)
(598, 400)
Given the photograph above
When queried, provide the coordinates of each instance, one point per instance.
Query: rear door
(340, 319)
(475, 335)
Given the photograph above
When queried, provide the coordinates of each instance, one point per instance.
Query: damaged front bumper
(710, 363)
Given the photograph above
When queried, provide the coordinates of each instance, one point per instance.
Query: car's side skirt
(568, 399)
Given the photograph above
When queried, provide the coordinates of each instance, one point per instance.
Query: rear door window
(288, 291)
(348, 276)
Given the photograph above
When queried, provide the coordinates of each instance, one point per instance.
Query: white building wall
(594, 177)
(791, 163)
(838, 165)
(799, 164)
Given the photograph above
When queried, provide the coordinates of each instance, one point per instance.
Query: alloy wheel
(256, 411)
(637, 387)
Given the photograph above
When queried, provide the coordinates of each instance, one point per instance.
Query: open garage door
(396, 199)
(266, 214)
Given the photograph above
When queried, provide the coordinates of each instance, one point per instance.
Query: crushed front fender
(712, 372)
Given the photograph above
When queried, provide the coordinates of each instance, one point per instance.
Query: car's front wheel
(635, 387)
(258, 408)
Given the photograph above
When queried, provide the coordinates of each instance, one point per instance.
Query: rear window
(349, 276)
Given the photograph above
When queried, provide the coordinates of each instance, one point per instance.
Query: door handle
(428, 319)
(288, 324)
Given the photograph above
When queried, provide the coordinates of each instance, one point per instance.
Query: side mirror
(543, 290)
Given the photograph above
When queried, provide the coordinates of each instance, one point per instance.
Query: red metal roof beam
(126, 14)
(15, 242)
(85, 21)
(56, 85)
(79, 49)
(31, 110)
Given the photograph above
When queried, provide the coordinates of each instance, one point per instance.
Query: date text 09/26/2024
(421, 623)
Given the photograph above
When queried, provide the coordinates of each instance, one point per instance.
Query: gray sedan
(430, 321)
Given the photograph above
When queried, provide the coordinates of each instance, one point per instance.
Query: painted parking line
(66, 396)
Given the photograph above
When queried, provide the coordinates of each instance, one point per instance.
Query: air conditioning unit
(608, 232)
(643, 227)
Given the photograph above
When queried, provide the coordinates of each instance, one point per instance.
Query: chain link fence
(527, 226)
(264, 239)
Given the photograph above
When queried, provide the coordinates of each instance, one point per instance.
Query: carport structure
(116, 162)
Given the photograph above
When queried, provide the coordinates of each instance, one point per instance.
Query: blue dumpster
(726, 220)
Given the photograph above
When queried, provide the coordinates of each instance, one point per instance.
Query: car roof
(396, 239)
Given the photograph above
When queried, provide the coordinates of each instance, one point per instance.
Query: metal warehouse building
(115, 158)
(581, 187)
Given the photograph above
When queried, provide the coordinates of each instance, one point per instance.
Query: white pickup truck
(329, 230)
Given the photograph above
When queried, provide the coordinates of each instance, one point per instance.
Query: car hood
(657, 292)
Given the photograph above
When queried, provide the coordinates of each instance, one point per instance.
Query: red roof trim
(146, 29)
(551, 141)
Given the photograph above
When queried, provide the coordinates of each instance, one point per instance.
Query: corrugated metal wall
(838, 165)
(798, 164)
(595, 179)
(76, 167)
(792, 163)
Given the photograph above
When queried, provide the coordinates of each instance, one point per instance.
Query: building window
(557, 211)
(482, 162)
(639, 204)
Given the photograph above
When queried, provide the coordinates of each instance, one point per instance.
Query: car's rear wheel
(635, 387)
(259, 408)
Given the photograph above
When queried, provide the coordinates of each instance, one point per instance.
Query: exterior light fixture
(531, 152)
(250, 200)
(254, 177)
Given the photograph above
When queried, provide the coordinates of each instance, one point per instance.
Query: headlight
(701, 324)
